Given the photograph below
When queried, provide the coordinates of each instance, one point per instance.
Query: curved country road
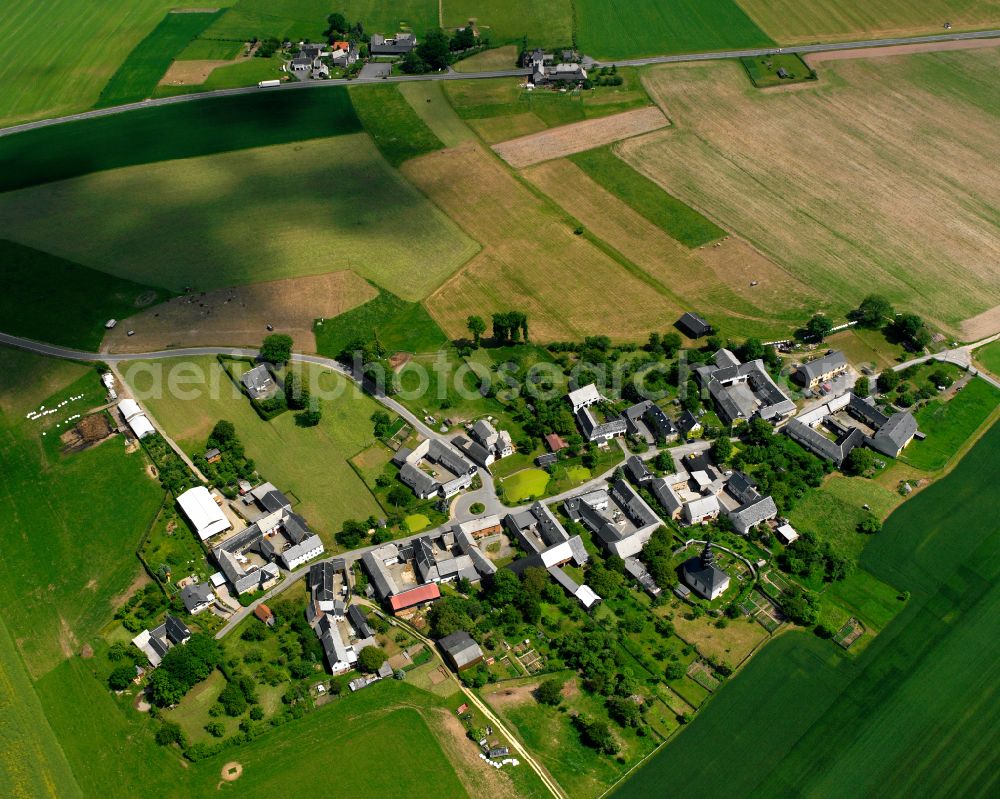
(451, 75)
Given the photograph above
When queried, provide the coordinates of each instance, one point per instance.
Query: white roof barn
(141, 426)
(204, 514)
(582, 397)
(129, 408)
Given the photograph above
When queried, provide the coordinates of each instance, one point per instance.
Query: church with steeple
(703, 576)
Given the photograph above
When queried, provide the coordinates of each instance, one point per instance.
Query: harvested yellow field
(190, 73)
(792, 21)
(239, 316)
(883, 175)
(579, 136)
(740, 288)
(531, 259)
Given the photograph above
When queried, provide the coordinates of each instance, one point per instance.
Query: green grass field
(763, 70)
(72, 522)
(391, 121)
(989, 357)
(948, 425)
(298, 19)
(524, 485)
(508, 21)
(309, 463)
(606, 29)
(914, 715)
(396, 323)
(31, 761)
(257, 215)
(41, 298)
(792, 21)
(416, 522)
(58, 55)
(428, 100)
(215, 125)
(138, 75)
(211, 50)
(646, 198)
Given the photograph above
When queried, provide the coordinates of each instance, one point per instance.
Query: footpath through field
(451, 75)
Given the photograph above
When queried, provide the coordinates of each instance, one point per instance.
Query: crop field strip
(795, 22)
(59, 54)
(530, 260)
(916, 713)
(398, 132)
(904, 191)
(216, 221)
(717, 277)
(579, 136)
(509, 21)
(205, 127)
(608, 29)
(138, 75)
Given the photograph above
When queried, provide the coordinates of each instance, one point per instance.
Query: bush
(169, 733)
(256, 713)
(215, 729)
(371, 658)
(121, 677)
(550, 691)
(277, 348)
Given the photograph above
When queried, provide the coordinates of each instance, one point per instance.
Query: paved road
(451, 75)
(960, 356)
(800, 48)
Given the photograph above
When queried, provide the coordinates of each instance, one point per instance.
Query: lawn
(310, 464)
(834, 511)
(504, 57)
(763, 70)
(185, 130)
(519, 231)
(606, 29)
(243, 72)
(792, 21)
(509, 21)
(32, 763)
(297, 19)
(989, 358)
(876, 204)
(211, 50)
(41, 298)
(399, 133)
(872, 724)
(949, 424)
(416, 522)
(246, 217)
(672, 216)
(525, 485)
(59, 54)
(53, 502)
(398, 325)
(138, 75)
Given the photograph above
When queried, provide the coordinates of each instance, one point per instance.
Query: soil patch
(87, 652)
(140, 581)
(981, 326)
(232, 771)
(190, 73)
(476, 776)
(516, 695)
(239, 316)
(579, 136)
(89, 432)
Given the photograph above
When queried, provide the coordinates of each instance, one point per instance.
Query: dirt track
(579, 136)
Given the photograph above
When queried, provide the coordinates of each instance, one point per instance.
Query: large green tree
(277, 348)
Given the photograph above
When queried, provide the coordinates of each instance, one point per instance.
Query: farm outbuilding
(202, 511)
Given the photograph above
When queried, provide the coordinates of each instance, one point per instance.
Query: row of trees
(436, 50)
(233, 465)
(510, 326)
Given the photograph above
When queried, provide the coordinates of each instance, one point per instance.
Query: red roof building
(263, 612)
(420, 595)
(555, 442)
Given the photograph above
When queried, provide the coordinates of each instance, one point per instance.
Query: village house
(485, 444)
(400, 44)
(155, 643)
(753, 508)
(820, 370)
(258, 382)
(452, 471)
(264, 614)
(620, 518)
(197, 597)
(742, 391)
(461, 651)
(833, 430)
(648, 420)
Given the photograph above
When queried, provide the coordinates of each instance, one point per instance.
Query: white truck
(266, 84)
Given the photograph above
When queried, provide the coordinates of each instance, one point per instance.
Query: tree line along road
(451, 75)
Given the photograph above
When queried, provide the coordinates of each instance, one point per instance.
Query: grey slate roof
(196, 595)
(755, 512)
(742, 488)
(638, 470)
(693, 325)
(831, 362)
(176, 630)
(460, 647)
(258, 381)
(895, 433)
(358, 621)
